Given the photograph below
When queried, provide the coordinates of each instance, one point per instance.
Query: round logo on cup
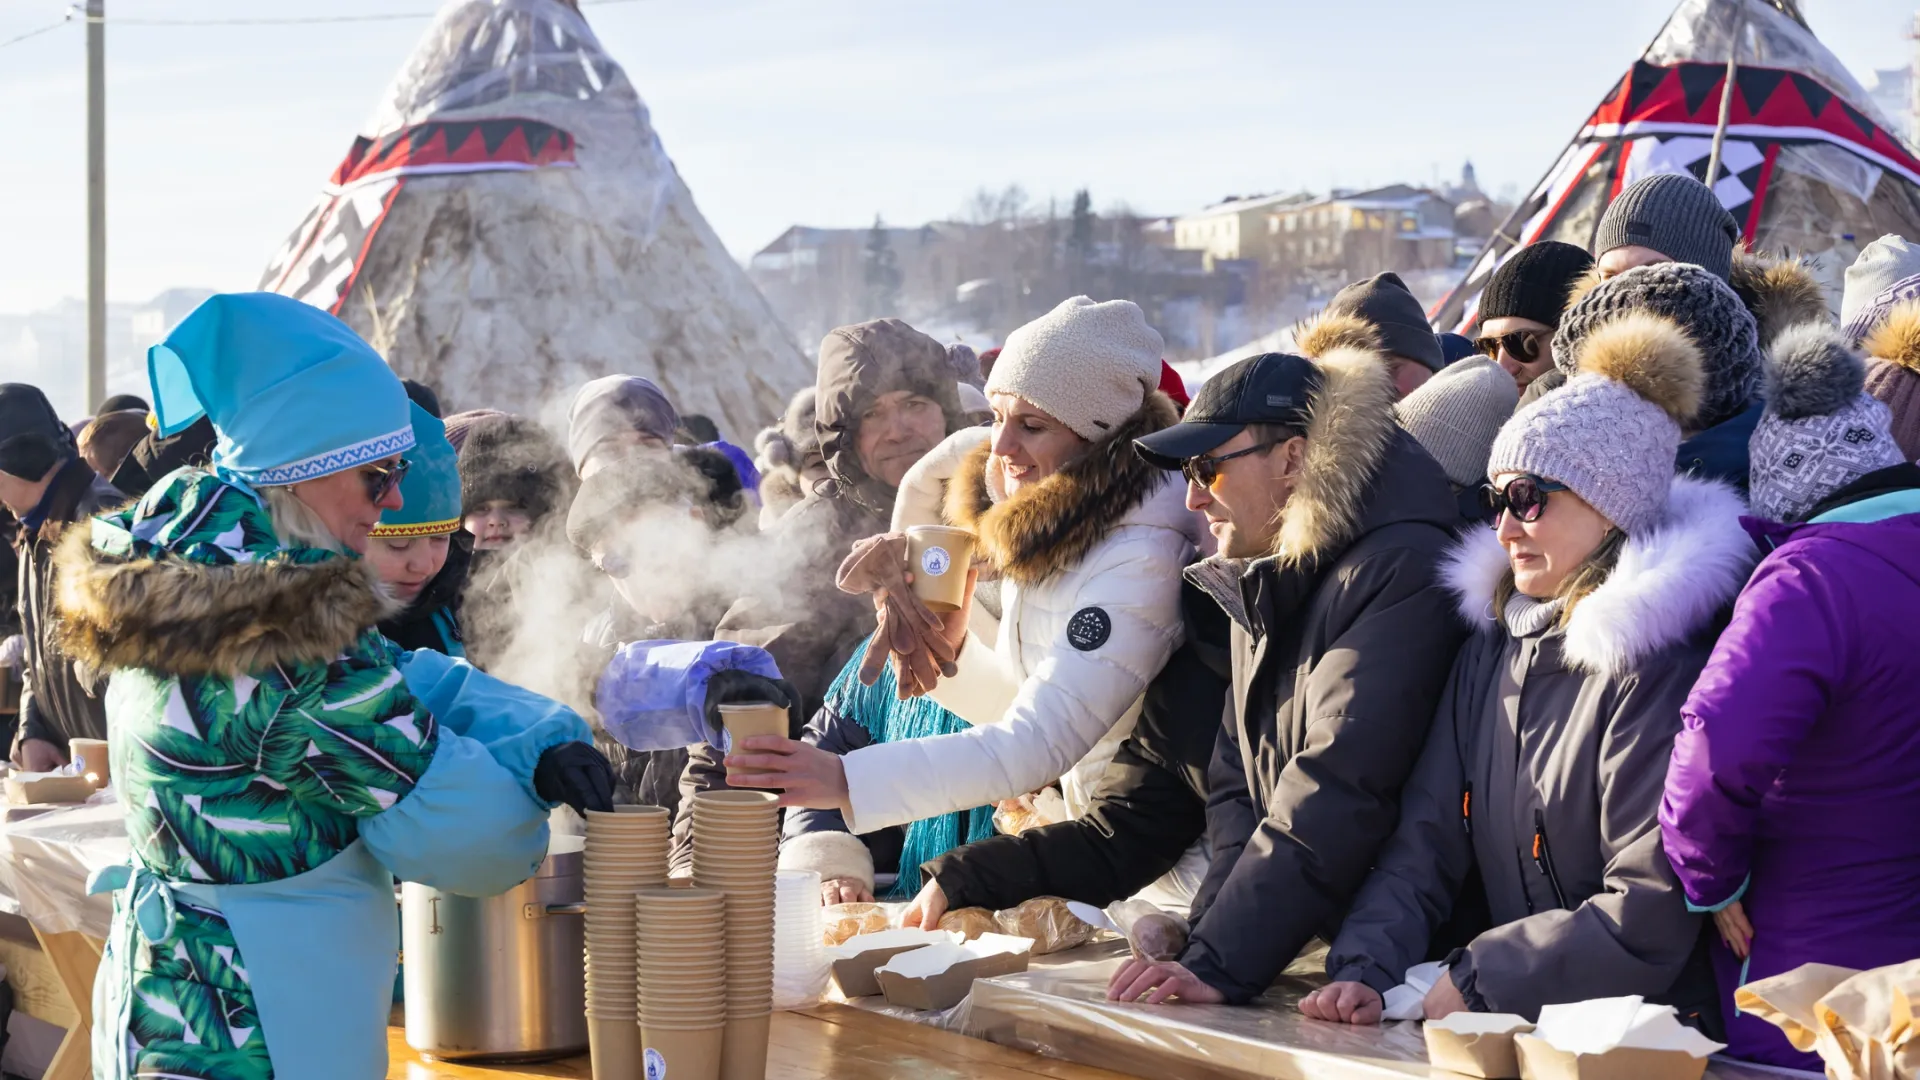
(656, 1065)
(935, 561)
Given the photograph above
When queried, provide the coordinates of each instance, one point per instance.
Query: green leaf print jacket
(279, 763)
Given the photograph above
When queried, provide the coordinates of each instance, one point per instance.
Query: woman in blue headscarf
(278, 760)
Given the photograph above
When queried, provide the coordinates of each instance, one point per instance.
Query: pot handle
(541, 911)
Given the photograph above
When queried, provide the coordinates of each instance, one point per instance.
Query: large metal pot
(500, 978)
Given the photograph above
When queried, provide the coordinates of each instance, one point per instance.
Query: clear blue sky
(829, 111)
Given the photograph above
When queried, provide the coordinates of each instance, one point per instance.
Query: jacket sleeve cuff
(1466, 979)
(33, 723)
(982, 689)
(516, 726)
(920, 490)
(1370, 974)
(1708, 909)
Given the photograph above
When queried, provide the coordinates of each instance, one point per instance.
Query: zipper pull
(1543, 856)
(1466, 808)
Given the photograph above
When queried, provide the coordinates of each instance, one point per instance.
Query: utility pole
(96, 204)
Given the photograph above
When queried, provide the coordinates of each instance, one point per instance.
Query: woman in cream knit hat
(1088, 541)
(1596, 598)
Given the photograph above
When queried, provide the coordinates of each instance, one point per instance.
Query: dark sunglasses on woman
(1522, 345)
(1204, 470)
(382, 479)
(1524, 496)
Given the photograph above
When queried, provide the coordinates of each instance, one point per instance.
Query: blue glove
(653, 695)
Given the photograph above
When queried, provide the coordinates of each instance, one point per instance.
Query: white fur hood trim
(1671, 580)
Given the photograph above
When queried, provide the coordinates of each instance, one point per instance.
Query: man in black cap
(1332, 523)
(1400, 327)
(48, 486)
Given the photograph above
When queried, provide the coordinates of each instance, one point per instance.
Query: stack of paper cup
(626, 852)
(682, 939)
(800, 964)
(736, 839)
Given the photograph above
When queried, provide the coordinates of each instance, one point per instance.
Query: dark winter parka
(1341, 644)
(1543, 775)
(62, 700)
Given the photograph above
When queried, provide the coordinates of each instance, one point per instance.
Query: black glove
(576, 774)
(732, 687)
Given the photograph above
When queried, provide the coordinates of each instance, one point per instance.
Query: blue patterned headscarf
(292, 391)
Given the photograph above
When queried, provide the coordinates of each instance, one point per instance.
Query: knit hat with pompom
(1821, 431)
(1611, 431)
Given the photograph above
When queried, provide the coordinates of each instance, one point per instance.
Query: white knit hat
(1611, 431)
(1457, 413)
(1887, 260)
(1089, 366)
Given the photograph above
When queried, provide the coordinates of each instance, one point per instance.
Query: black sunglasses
(1525, 496)
(1204, 470)
(1522, 345)
(382, 479)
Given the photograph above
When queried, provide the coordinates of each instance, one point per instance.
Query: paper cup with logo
(938, 557)
(94, 753)
(680, 1053)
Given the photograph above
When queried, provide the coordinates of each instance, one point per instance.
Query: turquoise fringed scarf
(888, 719)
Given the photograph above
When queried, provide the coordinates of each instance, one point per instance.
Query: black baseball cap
(1272, 388)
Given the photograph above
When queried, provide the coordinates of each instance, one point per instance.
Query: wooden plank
(831, 1042)
(75, 958)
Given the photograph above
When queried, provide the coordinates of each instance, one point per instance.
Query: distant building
(1234, 228)
(48, 348)
(1351, 235)
(1892, 91)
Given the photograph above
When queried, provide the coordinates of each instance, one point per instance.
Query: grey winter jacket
(1543, 775)
(61, 700)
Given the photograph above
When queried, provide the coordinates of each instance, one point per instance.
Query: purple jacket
(1795, 783)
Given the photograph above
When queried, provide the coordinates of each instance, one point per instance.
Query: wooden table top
(827, 1041)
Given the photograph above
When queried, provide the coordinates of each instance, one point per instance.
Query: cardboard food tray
(1488, 1053)
(945, 989)
(1540, 1060)
(853, 975)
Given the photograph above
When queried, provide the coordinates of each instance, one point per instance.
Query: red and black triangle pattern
(1654, 98)
(505, 142)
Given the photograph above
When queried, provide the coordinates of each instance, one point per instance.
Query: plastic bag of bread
(842, 921)
(1152, 934)
(970, 922)
(1048, 922)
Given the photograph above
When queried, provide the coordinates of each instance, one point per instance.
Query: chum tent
(509, 227)
(1808, 166)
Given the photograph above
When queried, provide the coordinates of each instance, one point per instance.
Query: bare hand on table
(927, 909)
(1444, 999)
(806, 775)
(1344, 1003)
(1152, 982)
(845, 890)
(1734, 928)
(37, 755)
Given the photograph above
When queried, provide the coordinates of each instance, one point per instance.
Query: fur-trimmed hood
(128, 603)
(1780, 292)
(1350, 425)
(1670, 583)
(1897, 339)
(1052, 525)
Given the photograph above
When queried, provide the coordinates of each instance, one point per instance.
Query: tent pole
(1726, 100)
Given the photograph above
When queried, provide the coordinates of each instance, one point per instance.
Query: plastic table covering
(48, 855)
(1058, 1008)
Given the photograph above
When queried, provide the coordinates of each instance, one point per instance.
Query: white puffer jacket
(1090, 612)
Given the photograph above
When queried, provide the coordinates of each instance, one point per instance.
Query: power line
(43, 30)
(296, 20)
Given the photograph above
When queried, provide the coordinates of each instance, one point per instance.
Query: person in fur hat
(1330, 521)
(1087, 540)
(513, 476)
(1792, 786)
(1596, 602)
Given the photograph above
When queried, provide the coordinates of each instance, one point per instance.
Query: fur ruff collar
(1350, 425)
(1897, 339)
(1671, 581)
(175, 616)
(1052, 525)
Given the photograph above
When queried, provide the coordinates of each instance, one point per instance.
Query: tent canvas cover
(509, 227)
(1808, 166)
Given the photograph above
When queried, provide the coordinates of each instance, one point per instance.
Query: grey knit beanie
(1457, 413)
(1703, 305)
(1675, 215)
(1611, 432)
(1089, 366)
(1882, 263)
(1821, 431)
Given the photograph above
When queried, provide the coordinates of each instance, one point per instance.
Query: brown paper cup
(94, 753)
(748, 719)
(743, 1054)
(725, 800)
(682, 1054)
(938, 557)
(616, 1047)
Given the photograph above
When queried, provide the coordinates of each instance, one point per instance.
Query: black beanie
(1385, 302)
(124, 403)
(32, 438)
(1534, 283)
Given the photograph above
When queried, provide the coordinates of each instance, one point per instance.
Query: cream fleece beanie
(1089, 366)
